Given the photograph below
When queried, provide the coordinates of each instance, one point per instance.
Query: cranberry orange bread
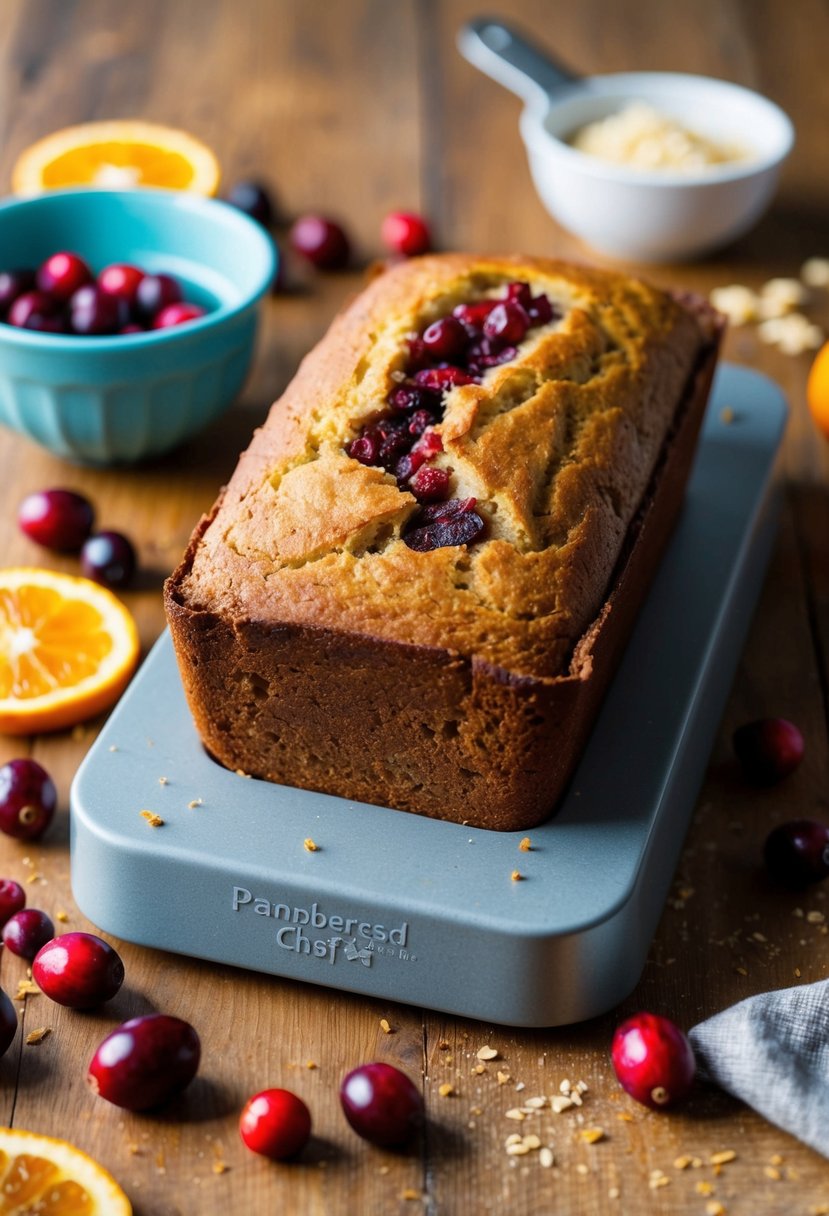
(416, 585)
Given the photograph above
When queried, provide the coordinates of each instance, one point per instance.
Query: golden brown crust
(558, 448)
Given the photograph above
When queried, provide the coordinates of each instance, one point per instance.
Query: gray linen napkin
(772, 1051)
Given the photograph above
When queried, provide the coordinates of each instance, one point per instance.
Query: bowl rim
(182, 200)
(539, 139)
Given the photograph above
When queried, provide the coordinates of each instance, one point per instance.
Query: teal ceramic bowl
(113, 400)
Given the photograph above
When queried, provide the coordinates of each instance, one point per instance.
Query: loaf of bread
(415, 587)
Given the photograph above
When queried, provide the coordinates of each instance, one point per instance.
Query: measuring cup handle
(506, 56)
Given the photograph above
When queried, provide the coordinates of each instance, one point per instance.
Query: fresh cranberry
(364, 448)
(653, 1060)
(473, 316)
(145, 1061)
(507, 323)
(26, 931)
(12, 899)
(408, 465)
(443, 378)
(440, 525)
(78, 970)
(407, 233)
(393, 446)
(429, 485)
(62, 275)
(121, 280)
(429, 443)
(93, 312)
(446, 339)
(520, 292)
(275, 1123)
(414, 397)
(108, 558)
(540, 310)
(177, 314)
(418, 354)
(57, 519)
(154, 292)
(381, 1104)
(14, 283)
(321, 241)
(8, 1023)
(768, 749)
(254, 199)
(31, 310)
(797, 853)
(420, 421)
(27, 799)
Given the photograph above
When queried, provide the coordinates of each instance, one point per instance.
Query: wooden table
(358, 108)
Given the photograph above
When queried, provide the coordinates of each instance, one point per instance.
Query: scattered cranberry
(27, 799)
(768, 749)
(473, 316)
(321, 241)
(430, 485)
(446, 339)
(275, 1123)
(381, 1104)
(254, 199)
(653, 1060)
(441, 524)
(26, 931)
(145, 1061)
(108, 558)
(406, 233)
(177, 314)
(797, 853)
(78, 970)
(14, 283)
(154, 292)
(414, 397)
(93, 312)
(12, 899)
(443, 378)
(121, 280)
(57, 519)
(62, 275)
(507, 322)
(8, 1023)
(32, 309)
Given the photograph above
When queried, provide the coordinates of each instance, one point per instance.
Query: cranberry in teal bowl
(116, 398)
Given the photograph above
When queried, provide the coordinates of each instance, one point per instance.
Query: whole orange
(817, 389)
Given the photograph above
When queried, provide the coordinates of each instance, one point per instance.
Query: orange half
(117, 155)
(68, 648)
(53, 1178)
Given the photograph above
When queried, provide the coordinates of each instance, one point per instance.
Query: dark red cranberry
(473, 316)
(43, 323)
(154, 292)
(62, 275)
(540, 310)
(12, 899)
(446, 339)
(507, 323)
(57, 519)
(429, 444)
(653, 1060)
(419, 421)
(393, 446)
(414, 397)
(382, 1104)
(275, 1123)
(768, 749)
(108, 558)
(364, 448)
(31, 310)
(321, 241)
(418, 354)
(26, 931)
(443, 378)
(429, 485)
(132, 328)
(93, 312)
(797, 853)
(177, 314)
(441, 525)
(27, 799)
(254, 199)
(8, 1023)
(78, 970)
(145, 1061)
(121, 280)
(406, 233)
(14, 283)
(521, 293)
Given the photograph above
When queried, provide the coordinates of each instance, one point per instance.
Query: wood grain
(354, 109)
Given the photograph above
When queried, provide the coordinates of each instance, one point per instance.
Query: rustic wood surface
(357, 108)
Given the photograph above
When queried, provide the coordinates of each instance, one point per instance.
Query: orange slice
(67, 650)
(117, 155)
(53, 1178)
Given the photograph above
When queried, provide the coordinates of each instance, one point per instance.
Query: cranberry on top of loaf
(547, 437)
